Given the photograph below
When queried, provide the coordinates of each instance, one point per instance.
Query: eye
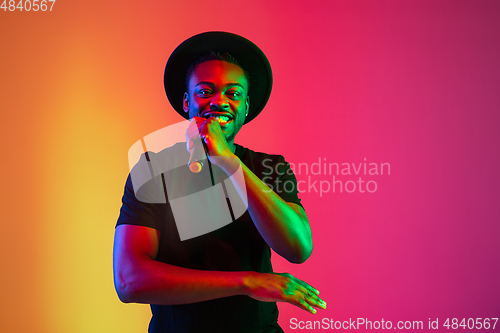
(233, 94)
(204, 92)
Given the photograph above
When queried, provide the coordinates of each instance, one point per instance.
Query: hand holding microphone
(196, 147)
(197, 157)
(205, 139)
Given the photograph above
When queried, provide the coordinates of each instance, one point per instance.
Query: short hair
(214, 56)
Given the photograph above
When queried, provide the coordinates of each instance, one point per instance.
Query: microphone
(197, 157)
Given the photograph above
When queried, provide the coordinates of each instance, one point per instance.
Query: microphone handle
(197, 158)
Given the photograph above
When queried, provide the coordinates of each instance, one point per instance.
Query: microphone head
(195, 166)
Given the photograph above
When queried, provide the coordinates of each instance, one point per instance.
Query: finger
(213, 122)
(301, 282)
(194, 134)
(299, 301)
(311, 297)
(197, 120)
(306, 306)
(195, 128)
(193, 123)
(191, 141)
(205, 125)
(196, 124)
(192, 128)
(306, 285)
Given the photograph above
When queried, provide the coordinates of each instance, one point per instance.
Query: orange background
(411, 83)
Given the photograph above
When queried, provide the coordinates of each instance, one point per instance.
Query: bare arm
(139, 278)
(283, 225)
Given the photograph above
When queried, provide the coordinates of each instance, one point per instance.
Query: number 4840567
(27, 5)
(478, 323)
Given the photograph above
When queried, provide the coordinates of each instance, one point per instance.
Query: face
(218, 89)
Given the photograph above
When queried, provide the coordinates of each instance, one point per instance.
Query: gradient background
(410, 83)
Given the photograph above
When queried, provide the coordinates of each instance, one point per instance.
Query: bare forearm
(281, 226)
(285, 230)
(182, 286)
(153, 282)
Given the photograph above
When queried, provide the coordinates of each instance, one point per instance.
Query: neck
(232, 146)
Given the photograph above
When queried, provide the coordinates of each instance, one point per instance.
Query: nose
(219, 102)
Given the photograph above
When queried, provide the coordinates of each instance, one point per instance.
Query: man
(221, 281)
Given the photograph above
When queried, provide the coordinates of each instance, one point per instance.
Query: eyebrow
(229, 85)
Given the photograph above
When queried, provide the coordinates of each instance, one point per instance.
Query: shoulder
(262, 163)
(249, 154)
(158, 161)
(145, 177)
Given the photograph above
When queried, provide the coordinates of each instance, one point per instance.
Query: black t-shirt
(237, 246)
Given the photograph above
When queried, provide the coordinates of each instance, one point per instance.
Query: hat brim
(248, 55)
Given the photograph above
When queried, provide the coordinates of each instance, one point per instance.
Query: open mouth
(222, 118)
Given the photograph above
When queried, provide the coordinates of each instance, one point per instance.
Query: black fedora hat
(248, 55)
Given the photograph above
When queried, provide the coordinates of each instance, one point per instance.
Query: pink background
(410, 83)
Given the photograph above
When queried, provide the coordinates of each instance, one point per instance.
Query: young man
(222, 280)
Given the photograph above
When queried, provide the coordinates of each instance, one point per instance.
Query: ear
(185, 102)
(247, 104)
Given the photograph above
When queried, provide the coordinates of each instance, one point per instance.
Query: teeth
(222, 119)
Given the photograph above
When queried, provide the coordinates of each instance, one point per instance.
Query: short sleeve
(135, 212)
(286, 182)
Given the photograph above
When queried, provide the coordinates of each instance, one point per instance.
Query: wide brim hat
(249, 56)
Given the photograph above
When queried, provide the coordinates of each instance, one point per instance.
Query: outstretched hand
(283, 287)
